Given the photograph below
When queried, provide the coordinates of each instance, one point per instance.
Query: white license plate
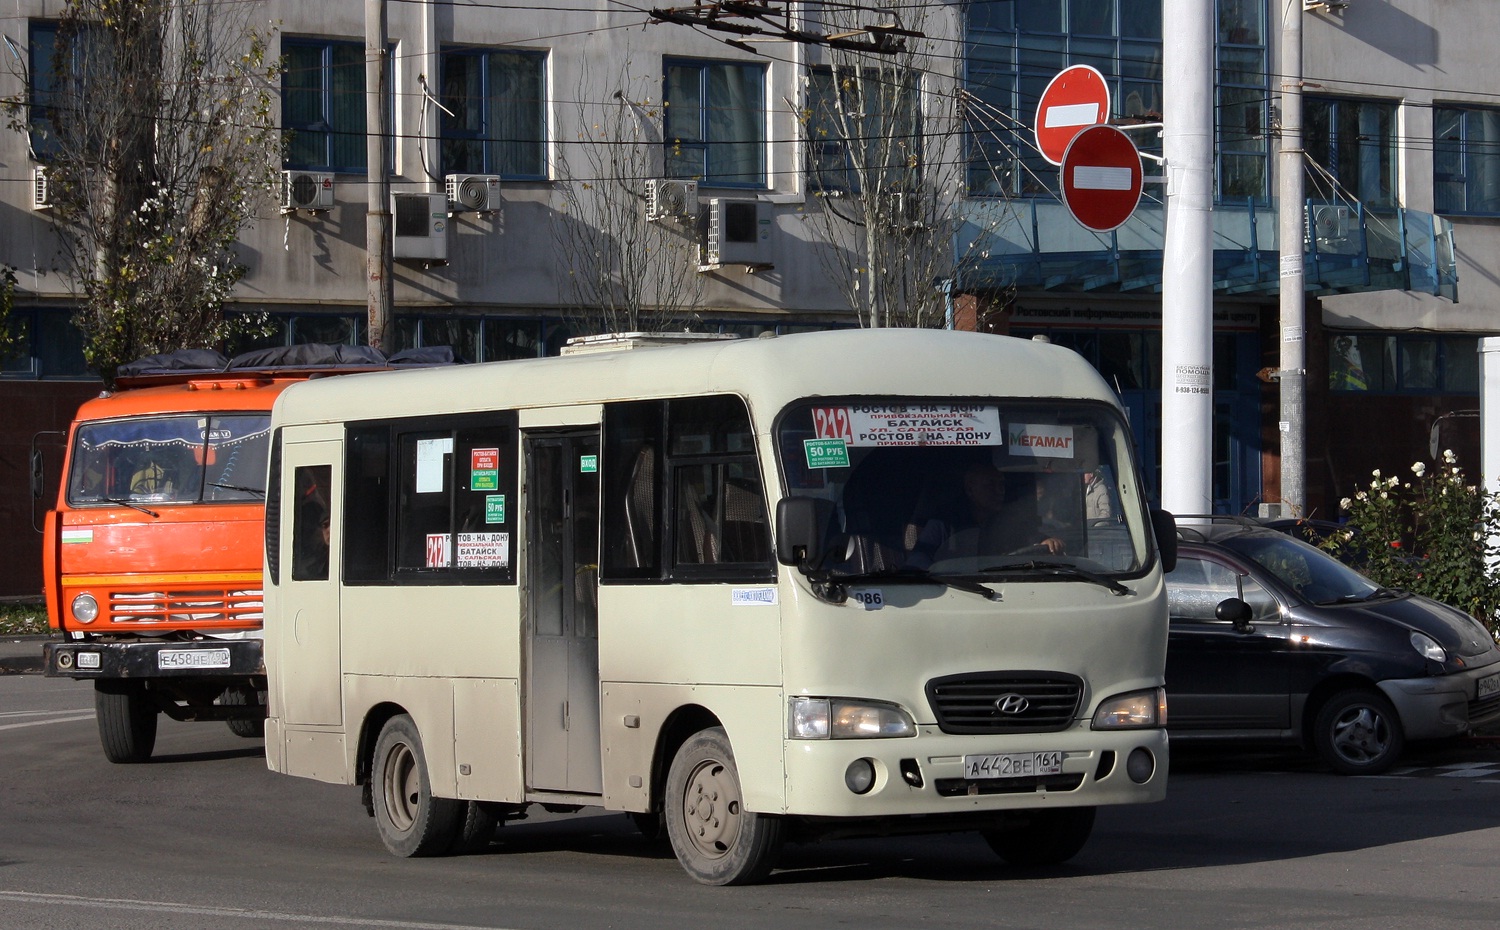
(1013, 764)
(192, 658)
(1488, 685)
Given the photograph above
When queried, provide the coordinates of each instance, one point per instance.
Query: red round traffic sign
(1077, 98)
(1101, 178)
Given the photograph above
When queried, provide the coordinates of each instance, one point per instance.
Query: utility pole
(1187, 313)
(1293, 217)
(377, 145)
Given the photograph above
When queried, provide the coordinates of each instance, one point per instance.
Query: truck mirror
(38, 474)
(801, 523)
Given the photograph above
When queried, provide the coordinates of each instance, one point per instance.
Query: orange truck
(152, 554)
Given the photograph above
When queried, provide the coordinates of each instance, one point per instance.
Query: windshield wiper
(1376, 595)
(238, 487)
(131, 504)
(915, 576)
(1064, 569)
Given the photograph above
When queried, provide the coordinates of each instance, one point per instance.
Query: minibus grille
(214, 606)
(1005, 702)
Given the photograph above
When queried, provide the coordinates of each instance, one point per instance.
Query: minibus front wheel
(411, 821)
(717, 841)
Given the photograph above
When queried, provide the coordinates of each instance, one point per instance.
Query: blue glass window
(716, 122)
(498, 125)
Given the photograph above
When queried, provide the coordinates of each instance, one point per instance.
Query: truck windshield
(982, 489)
(181, 459)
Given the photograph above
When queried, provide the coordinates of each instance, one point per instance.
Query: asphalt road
(205, 836)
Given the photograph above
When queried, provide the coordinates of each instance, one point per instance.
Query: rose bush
(1434, 535)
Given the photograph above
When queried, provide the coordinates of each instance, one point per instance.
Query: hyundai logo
(1012, 703)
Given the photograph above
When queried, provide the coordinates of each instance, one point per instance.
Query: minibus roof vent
(616, 342)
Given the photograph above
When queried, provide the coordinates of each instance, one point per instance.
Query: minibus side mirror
(1164, 525)
(801, 524)
(38, 474)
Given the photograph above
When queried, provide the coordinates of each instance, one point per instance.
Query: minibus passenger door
(308, 649)
(562, 546)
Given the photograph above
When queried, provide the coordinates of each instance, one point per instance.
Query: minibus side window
(366, 534)
(310, 522)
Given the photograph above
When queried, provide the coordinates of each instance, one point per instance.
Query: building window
(289, 329)
(498, 118)
(867, 129)
(1015, 48)
(1243, 98)
(48, 345)
(1355, 142)
(323, 104)
(1403, 363)
(1466, 160)
(716, 122)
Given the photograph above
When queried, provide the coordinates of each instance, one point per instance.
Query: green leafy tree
(158, 133)
(1433, 534)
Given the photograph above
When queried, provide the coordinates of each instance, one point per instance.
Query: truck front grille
(212, 606)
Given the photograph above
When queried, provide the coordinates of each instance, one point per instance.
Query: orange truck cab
(152, 555)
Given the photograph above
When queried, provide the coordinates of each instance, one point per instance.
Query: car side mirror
(801, 524)
(1164, 526)
(1235, 612)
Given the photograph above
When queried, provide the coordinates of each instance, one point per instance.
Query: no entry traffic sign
(1077, 98)
(1101, 178)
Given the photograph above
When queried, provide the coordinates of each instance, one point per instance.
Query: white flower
(1344, 503)
(1362, 496)
(1384, 496)
(1419, 468)
(1392, 481)
(1376, 473)
(1449, 457)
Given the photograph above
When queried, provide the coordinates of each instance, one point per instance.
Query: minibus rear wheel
(717, 841)
(411, 821)
(1047, 837)
(127, 720)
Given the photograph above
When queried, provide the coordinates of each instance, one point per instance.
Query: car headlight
(843, 718)
(85, 608)
(1428, 647)
(1133, 711)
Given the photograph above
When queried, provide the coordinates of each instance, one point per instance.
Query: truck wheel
(1357, 732)
(1048, 837)
(127, 721)
(248, 727)
(717, 841)
(411, 821)
(476, 828)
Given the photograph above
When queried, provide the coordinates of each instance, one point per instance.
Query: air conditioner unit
(739, 232)
(41, 189)
(671, 198)
(907, 212)
(473, 193)
(306, 190)
(1329, 223)
(420, 226)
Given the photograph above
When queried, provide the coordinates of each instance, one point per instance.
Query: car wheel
(1048, 837)
(127, 721)
(1358, 733)
(411, 821)
(717, 841)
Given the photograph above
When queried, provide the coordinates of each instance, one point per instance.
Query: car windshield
(983, 488)
(1310, 573)
(180, 459)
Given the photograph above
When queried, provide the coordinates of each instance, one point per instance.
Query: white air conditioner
(1329, 223)
(41, 189)
(739, 232)
(671, 198)
(306, 190)
(420, 226)
(473, 193)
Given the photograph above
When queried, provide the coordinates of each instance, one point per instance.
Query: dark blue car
(1274, 640)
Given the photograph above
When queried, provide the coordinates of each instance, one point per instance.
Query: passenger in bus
(1002, 519)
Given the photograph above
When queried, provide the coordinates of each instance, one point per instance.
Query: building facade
(519, 109)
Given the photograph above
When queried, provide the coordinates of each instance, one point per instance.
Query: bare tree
(626, 272)
(887, 169)
(159, 139)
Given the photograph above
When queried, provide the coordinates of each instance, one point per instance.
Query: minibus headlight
(842, 718)
(1136, 710)
(85, 608)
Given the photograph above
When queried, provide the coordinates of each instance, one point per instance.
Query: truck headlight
(85, 608)
(1133, 711)
(845, 718)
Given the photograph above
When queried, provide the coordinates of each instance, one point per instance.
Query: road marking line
(172, 907)
(42, 723)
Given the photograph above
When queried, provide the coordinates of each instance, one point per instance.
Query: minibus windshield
(179, 459)
(986, 488)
